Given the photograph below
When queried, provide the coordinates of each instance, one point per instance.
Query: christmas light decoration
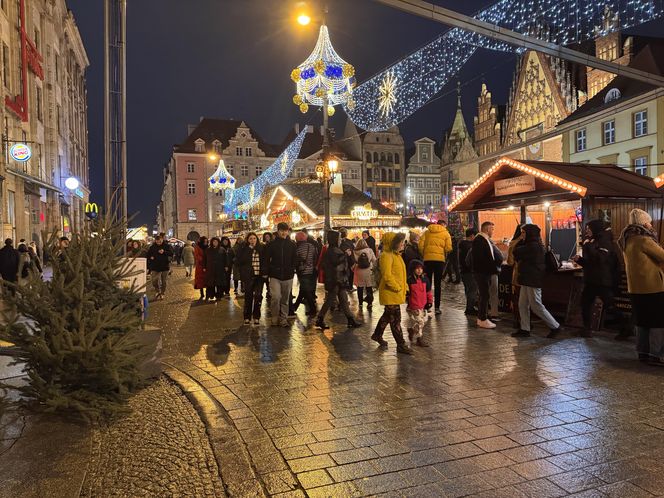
(247, 195)
(421, 75)
(323, 78)
(221, 179)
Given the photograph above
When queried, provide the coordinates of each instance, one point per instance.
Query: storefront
(559, 198)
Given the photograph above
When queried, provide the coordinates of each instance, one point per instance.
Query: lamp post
(326, 170)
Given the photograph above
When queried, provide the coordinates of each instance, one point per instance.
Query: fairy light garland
(244, 197)
(416, 79)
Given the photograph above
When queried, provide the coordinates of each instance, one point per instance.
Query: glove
(428, 306)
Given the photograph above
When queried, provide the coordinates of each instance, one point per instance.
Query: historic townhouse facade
(423, 177)
(384, 166)
(45, 109)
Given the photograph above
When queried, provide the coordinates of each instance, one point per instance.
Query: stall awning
(554, 181)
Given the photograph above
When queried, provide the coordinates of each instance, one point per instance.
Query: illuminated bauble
(221, 179)
(319, 66)
(350, 104)
(320, 92)
(348, 71)
(330, 110)
(295, 75)
(297, 100)
(304, 108)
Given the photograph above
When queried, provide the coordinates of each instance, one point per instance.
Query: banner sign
(364, 212)
(516, 185)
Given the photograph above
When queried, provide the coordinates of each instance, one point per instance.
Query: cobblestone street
(478, 413)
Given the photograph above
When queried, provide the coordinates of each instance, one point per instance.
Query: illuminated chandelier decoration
(418, 77)
(221, 179)
(324, 76)
(247, 195)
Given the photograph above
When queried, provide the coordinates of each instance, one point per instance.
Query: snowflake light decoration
(387, 94)
(221, 179)
(323, 76)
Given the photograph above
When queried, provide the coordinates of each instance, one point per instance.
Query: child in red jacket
(420, 300)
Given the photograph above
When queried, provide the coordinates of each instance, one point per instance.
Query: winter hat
(639, 217)
(300, 237)
(414, 264)
(596, 227)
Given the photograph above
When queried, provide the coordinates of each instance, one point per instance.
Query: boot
(353, 324)
(411, 333)
(403, 348)
(320, 324)
(521, 333)
(379, 340)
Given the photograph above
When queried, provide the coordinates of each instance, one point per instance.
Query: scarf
(633, 231)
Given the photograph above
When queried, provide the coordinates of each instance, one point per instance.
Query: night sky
(233, 58)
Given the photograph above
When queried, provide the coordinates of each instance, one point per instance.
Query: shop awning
(554, 181)
(32, 179)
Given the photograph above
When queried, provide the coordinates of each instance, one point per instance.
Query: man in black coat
(469, 284)
(347, 246)
(9, 260)
(159, 263)
(601, 272)
(281, 260)
(484, 266)
(335, 269)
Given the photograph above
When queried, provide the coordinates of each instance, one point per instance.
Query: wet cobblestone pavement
(478, 413)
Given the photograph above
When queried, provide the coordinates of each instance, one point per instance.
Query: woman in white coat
(365, 259)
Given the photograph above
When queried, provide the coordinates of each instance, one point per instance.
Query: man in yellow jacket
(435, 245)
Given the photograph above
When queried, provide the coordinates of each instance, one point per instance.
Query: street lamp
(326, 170)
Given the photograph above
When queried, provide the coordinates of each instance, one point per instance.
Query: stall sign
(364, 212)
(516, 185)
(457, 190)
(91, 210)
(20, 152)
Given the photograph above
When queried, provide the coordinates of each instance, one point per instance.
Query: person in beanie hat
(335, 264)
(392, 291)
(281, 260)
(644, 263)
(420, 300)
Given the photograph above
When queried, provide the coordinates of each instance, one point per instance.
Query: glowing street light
(303, 20)
(72, 183)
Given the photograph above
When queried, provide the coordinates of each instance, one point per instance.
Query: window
(230, 169)
(640, 165)
(238, 151)
(216, 145)
(191, 214)
(396, 159)
(191, 187)
(199, 145)
(259, 170)
(429, 183)
(369, 174)
(640, 123)
(375, 155)
(390, 157)
(436, 183)
(40, 109)
(354, 174)
(300, 172)
(609, 132)
(367, 157)
(581, 140)
(420, 183)
(244, 170)
(377, 139)
(5, 65)
(247, 151)
(397, 175)
(190, 167)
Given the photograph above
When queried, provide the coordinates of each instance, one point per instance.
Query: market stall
(559, 197)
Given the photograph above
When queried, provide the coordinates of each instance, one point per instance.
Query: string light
(421, 75)
(246, 196)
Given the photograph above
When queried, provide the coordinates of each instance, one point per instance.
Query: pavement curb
(237, 472)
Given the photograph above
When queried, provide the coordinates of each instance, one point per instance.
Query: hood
(225, 239)
(414, 264)
(533, 233)
(333, 238)
(435, 228)
(596, 227)
(387, 240)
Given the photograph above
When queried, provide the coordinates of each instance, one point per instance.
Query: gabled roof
(559, 180)
(210, 129)
(650, 59)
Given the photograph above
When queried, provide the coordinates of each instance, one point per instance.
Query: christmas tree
(74, 333)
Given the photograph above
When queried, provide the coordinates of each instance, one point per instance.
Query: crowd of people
(412, 272)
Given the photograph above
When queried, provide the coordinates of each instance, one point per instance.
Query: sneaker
(495, 319)
(379, 340)
(353, 324)
(404, 349)
(421, 342)
(320, 324)
(438, 312)
(521, 333)
(257, 321)
(486, 324)
(247, 321)
(411, 334)
(554, 333)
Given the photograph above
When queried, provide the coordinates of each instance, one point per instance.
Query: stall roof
(573, 180)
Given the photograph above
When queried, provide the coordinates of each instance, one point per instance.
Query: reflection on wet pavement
(477, 413)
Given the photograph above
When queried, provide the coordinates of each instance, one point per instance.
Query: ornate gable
(537, 100)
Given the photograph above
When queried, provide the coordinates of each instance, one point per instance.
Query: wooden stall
(560, 198)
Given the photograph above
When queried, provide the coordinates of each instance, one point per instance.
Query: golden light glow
(213, 157)
(659, 181)
(333, 164)
(303, 19)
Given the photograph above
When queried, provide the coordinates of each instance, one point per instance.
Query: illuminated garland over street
(394, 94)
(242, 198)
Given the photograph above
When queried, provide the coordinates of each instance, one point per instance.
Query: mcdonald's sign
(91, 210)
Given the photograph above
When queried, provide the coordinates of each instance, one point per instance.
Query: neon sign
(364, 212)
(20, 152)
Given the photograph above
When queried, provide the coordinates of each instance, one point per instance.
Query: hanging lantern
(221, 179)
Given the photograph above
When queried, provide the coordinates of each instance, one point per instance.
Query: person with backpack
(420, 301)
(307, 257)
(363, 279)
(529, 255)
(335, 264)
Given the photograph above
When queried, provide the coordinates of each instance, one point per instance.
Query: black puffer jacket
(484, 262)
(335, 262)
(159, 261)
(600, 261)
(281, 258)
(530, 256)
(244, 261)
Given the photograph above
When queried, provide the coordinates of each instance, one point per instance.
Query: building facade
(384, 166)
(45, 109)
(423, 177)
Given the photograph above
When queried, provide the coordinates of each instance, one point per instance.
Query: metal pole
(123, 90)
(326, 182)
(107, 115)
(452, 18)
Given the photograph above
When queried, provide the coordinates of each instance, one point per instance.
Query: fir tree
(73, 333)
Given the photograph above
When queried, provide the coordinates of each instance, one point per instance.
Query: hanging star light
(221, 179)
(324, 78)
(387, 94)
